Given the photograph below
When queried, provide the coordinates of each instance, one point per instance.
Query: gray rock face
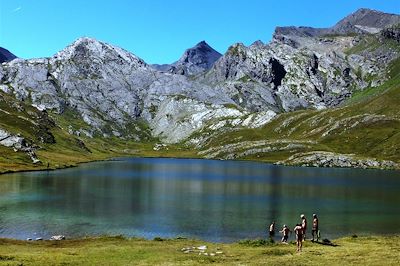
(17, 143)
(195, 60)
(5, 55)
(392, 33)
(314, 74)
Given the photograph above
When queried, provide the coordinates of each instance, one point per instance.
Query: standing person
(285, 232)
(315, 228)
(272, 230)
(298, 230)
(304, 225)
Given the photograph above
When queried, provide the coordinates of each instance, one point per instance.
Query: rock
(330, 159)
(29, 239)
(39, 239)
(58, 237)
(202, 247)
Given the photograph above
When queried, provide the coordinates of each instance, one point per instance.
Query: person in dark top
(272, 230)
(315, 224)
(298, 230)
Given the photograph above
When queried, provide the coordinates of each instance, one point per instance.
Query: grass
(122, 251)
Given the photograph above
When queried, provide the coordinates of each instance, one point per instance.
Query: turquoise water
(211, 200)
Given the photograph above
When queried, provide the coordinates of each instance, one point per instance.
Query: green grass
(121, 251)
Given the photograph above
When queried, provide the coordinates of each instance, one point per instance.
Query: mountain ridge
(92, 92)
(363, 20)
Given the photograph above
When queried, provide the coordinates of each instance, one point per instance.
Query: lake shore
(372, 250)
(34, 168)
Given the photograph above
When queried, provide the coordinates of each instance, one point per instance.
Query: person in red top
(315, 224)
(298, 230)
(304, 225)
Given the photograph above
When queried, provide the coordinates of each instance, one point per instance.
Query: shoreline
(113, 158)
(276, 239)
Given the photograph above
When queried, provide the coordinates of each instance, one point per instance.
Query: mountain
(296, 99)
(195, 60)
(5, 55)
(365, 20)
(362, 21)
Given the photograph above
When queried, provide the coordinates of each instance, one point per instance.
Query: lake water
(211, 200)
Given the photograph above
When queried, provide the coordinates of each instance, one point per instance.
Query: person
(304, 225)
(285, 232)
(315, 233)
(298, 230)
(272, 230)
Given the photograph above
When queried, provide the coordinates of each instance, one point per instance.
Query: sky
(159, 31)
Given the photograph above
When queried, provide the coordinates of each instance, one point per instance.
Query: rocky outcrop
(18, 143)
(392, 33)
(194, 61)
(5, 55)
(330, 159)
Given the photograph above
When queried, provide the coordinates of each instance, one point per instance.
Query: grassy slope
(351, 132)
(68, 150)
(120, 251)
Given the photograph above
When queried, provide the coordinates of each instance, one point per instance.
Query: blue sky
(159, 31)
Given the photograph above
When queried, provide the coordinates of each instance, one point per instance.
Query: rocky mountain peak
(85, 48)
(365, 20)
(195, 60)
(5, 55)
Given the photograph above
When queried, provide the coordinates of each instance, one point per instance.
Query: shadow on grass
(325, 242)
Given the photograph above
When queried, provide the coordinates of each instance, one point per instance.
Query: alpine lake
(219, 201)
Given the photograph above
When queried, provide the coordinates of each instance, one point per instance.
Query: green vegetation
(122, 251)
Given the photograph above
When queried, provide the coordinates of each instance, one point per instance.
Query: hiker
(285, 231)
(304, 225)
(315, 233)
(272, 230)
(298, 230)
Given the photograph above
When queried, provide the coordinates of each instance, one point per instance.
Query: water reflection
(213, 200)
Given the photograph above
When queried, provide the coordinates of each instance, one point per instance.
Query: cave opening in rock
(278, 72)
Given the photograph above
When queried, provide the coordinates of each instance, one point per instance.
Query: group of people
(299, 230)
